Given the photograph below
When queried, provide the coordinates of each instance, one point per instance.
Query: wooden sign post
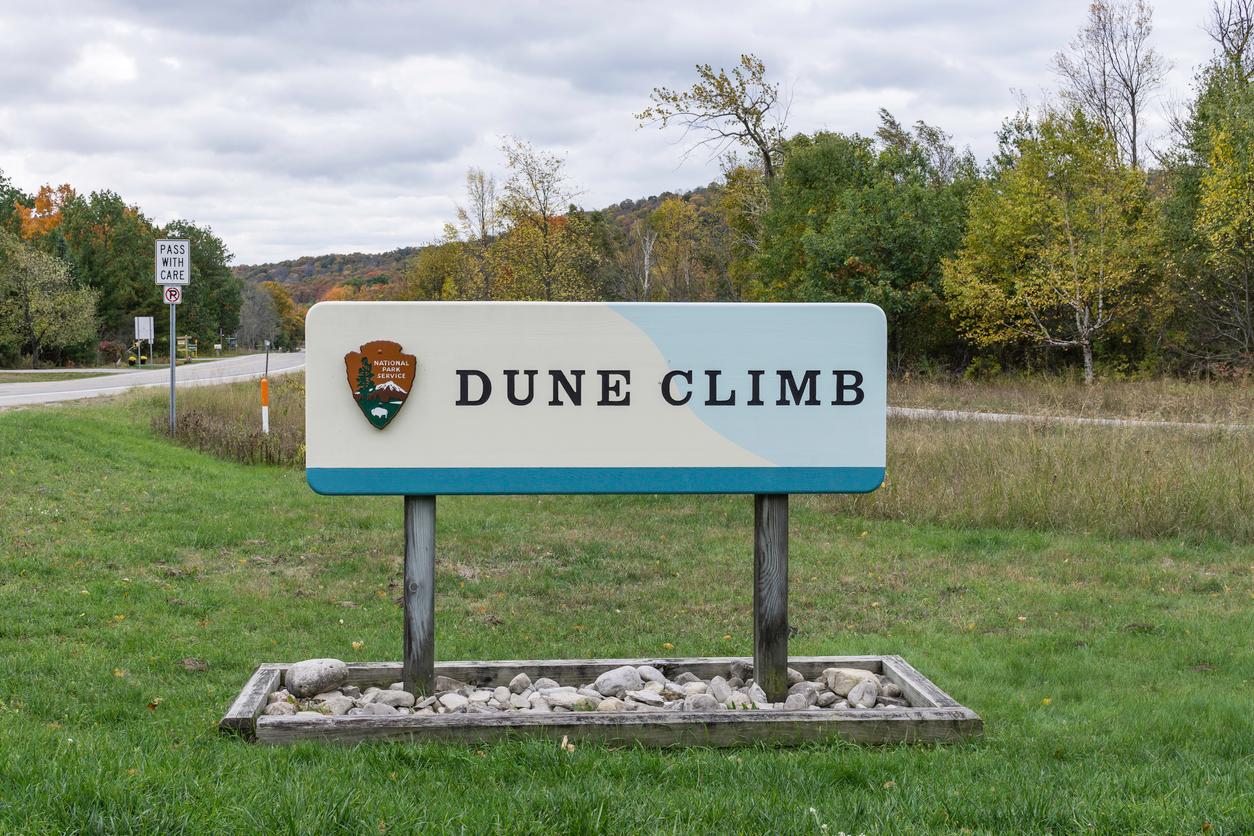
(418, 399)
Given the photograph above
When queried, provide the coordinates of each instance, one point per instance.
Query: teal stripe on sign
(601, 480)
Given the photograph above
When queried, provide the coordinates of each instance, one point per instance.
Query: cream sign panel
(533, 397)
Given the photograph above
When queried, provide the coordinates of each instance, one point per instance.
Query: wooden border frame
(933, 716)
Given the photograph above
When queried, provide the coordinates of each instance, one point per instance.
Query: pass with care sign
(551, 398)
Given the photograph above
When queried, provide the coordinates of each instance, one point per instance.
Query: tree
(1059, 247)
(40, 303)
(440, 271)
(1226, 222)
(290, 316)
(258, 320)
(480, 222)
(1110, 70)
(1204, 209)
(109, 245)
(544, 254)
(740, 108)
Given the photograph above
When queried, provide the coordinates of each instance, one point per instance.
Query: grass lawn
(45, 377)
(1114, 673)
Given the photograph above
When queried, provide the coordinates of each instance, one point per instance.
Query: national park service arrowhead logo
(380, 376)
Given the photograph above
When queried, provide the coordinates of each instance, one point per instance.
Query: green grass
(121, 554)
(45, 377)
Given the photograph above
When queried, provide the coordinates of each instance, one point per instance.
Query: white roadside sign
(143, 328)
(173, 261)
(532, 397)
(172, 294)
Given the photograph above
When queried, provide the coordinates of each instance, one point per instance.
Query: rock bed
(316, 687)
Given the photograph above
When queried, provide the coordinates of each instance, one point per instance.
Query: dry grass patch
(1164, 399)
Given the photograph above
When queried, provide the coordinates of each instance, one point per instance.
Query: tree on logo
(365, 379)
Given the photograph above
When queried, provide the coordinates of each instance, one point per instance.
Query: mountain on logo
(389, 386)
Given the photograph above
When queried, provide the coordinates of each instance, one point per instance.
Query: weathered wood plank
(418, 664)
(581, 671)
(730, 728)
(241, 717)
(915, 687)
(770, 594)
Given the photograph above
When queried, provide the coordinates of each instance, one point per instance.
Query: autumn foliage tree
(42, 307)
(1061, 245)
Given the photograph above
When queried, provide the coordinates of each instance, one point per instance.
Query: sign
(174, 261)
(172, 294)
(539, 398)
(143, 328)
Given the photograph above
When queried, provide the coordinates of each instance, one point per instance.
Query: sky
(301, 128)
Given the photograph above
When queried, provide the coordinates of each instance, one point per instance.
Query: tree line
(76, 269)
(1077, 244)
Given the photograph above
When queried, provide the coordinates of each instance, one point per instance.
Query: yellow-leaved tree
(1063, 242)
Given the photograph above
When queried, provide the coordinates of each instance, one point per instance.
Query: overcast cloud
(299, 128)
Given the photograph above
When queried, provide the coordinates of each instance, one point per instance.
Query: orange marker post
(265, 406)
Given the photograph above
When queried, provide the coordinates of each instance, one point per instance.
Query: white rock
(314, 676)
(594, 695)
(686, 677)
(796, 702)
(519, 683)
(279, 709)
(396, 699)
(794, 676)
(719, 689)
(616, 682)
(755, 693)
(700, 702)
(519, 701)
(338, 704)
(611, 704)
(351, 691)
(890, 688)
(864, 694)
(539, 704)
(648, 673)
(842, 680)
(826, 698)
(453, 700)
(647, 698)
(695, 688)
(544, 682)
(381, 709)
(572, 699)
(672, 690)
(280, 695)
(739, 699)
(397, 686)
(310, 715)
(501, 693)
(480, 697)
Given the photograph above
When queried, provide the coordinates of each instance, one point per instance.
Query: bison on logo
(380, 376)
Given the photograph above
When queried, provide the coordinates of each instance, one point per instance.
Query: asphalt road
(198, 374)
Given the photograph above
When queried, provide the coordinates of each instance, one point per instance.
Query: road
(198, 374)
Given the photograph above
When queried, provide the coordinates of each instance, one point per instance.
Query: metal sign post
(173, 269)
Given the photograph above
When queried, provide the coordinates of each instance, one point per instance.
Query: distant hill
(307, 278)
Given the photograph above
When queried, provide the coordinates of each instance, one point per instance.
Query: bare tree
(1232, 27)
(1111, 69)
(480, 222)
(740, 108)
(643, 239)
